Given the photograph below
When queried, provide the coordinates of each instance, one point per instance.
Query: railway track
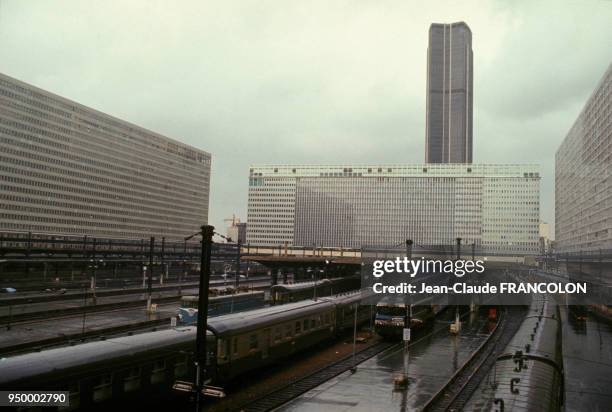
(76, 311)
(8, 300)
(295, 388)
(53, 297)
(459, 388)
(102, 307)
(73, 338)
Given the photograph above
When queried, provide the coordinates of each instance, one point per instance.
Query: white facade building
(68, 169)
(583, 181)
(495, 207)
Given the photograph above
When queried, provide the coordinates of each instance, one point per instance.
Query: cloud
(311, 82)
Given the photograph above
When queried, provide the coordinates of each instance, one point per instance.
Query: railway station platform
(431, 359)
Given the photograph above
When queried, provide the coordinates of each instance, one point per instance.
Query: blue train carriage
(529, 375)
(219, 305)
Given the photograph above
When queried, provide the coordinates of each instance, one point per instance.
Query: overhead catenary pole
(316, 277)
(201, 355)
(354, 368)
(458, 258)
(163, 270)
(458, 248)
(184, 273)
(150, 273)
(143, 267)
(401, 381)
(237, 280)
(407, 319)
(93, 269)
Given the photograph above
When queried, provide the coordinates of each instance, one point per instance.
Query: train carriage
(294, 292)
(96, 372)
(345, 309)
(529, 374)
(266, 335)
(124, 368)
(391, 315)
(219, 305)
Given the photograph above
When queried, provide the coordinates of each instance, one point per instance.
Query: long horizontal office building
(69, 169)
(496, 207)
(583, 176)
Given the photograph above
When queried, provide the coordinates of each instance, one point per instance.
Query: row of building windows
(94, 119)
(22, 150)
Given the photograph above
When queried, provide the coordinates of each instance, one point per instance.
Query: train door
(265, 343)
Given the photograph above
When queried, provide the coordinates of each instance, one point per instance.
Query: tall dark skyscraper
(449, 94)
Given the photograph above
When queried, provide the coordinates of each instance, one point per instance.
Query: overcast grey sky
(312, 81)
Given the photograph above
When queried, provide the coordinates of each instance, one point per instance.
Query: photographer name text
(486, 288)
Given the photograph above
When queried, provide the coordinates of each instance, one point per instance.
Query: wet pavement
(587, 358)
(430, 360)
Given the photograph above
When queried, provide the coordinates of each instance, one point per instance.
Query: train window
(222, 348)
(306, 325)
(102, 388)
(158, 375)
(278, 334)
(327, 318)
(313, 323)
(180, 367)
(74, 398)
(253, 344)
(235, 346)
(298, 327)
(131, 382)
(287, 331)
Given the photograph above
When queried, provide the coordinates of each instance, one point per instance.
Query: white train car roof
(349, 298)
(56, 360)
(241, 322)
(216, 298)
(292, 287)
(20, 368)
